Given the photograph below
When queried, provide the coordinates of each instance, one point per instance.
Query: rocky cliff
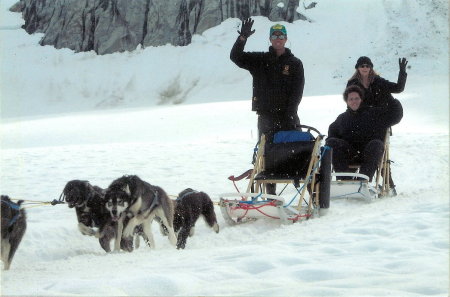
(108, 26)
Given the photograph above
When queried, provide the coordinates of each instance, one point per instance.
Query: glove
(246, 28)
(402, 64)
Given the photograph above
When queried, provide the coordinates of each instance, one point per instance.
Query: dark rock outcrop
(108, 26)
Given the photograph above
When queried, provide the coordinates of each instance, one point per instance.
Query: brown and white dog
(14, 224)
(129, 197)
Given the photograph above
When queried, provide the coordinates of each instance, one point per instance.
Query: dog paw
(181, 246)
(126, 244)
(216, 228)
(85, 230)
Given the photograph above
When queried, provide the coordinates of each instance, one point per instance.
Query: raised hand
(402, 64)
(246, 28)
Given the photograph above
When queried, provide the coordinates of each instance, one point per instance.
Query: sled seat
(287, 156)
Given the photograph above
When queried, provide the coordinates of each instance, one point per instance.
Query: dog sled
(289, 158)
(358, 186)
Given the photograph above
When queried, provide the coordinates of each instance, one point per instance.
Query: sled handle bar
(310, 128)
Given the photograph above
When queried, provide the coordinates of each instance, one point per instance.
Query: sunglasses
(364, 66)
(273, 36)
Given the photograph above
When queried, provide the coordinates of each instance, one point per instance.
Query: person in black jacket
(278, 79)
(357, 135)
(377, 90)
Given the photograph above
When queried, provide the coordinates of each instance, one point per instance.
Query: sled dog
(140, 202)
(14, 224)
(189, 206)
(89, 202)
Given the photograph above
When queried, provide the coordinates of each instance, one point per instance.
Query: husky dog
(89, 204)
(14, 224)
(132, 198)
(189, 206)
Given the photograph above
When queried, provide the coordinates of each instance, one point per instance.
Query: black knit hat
(363, 60)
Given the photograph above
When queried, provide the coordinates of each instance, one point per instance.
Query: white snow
(181, 117)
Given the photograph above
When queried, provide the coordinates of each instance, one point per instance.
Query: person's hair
(351, 89)
(357, 76)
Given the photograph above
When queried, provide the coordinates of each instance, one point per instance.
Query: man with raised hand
(278, 80)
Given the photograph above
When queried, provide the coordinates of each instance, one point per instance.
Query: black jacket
(379, 91)
(277, 81)
(367, 123)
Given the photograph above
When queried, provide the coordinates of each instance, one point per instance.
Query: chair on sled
(289, 158)
(359, 186)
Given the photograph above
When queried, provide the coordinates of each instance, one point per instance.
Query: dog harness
(14, 206)
(186, 194)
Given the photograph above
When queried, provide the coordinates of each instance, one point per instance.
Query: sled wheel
(325, 177)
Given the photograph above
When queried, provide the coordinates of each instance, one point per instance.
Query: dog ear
(126, 189)
(89, 189)
(88, 185)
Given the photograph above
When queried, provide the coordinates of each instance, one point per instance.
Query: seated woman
(377, 90)
(359, 132)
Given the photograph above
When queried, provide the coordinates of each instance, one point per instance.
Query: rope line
(248, 206)
(35, 203)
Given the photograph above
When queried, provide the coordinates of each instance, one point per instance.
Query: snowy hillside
(41, 80)
(80, 116)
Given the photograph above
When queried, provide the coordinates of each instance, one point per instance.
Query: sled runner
(359, 187)
(289, 158)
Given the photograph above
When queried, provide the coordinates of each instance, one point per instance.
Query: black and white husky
(190, 205)
(140, 202)
(14, 224)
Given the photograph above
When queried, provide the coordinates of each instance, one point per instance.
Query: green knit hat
(278, 27)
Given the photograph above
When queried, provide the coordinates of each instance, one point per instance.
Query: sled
(360, 187)
(290, 158)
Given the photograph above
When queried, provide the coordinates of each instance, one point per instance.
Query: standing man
(278, 81)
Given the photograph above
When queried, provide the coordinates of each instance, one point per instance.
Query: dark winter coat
(367, 123)
(380, 90)
(277, 81)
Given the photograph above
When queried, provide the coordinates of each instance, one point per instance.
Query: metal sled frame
(258, 205)
(364, 189)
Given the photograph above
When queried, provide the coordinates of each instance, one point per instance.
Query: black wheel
(325, 176)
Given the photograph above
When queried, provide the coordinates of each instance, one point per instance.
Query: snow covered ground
(80, 116)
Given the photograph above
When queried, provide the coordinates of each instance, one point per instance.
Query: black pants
(269, 124)
(368, 154)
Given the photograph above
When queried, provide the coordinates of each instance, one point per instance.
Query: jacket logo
(285, 70)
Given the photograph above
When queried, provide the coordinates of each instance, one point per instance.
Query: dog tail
(208, 210)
